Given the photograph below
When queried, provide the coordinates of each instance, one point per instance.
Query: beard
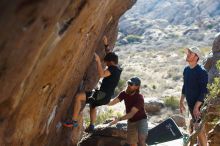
(129, 91)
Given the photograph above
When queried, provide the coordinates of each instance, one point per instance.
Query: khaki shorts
(135, 128)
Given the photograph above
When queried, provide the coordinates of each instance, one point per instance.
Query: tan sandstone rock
(46, 51)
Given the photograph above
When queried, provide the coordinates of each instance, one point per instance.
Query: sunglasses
(131, 84)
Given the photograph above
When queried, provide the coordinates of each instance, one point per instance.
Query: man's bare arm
(114, 101)
(129, 115)
(101, 71)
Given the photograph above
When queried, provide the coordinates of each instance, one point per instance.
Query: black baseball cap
(135, 80)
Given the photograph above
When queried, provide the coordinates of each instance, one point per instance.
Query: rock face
(210, 63)
(213, 114)
(46, 51)
(214, 135)
(213, 108)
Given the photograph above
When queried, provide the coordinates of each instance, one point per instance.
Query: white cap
(196, 50)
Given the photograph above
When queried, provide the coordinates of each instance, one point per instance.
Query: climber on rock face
(111, 77)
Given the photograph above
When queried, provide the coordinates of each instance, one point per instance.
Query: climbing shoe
(71, 123)
(90, 128)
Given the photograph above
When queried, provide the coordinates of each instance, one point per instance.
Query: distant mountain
(186, 21)
(176, 12)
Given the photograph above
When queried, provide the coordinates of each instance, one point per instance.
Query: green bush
(172, 102)
(103, 116)
(133, 38)
(214, 90)
(145, 86)
(176, 77)
(120, 87)
(210, 26)
(154, 87)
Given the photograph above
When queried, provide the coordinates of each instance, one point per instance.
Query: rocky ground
(160, 69)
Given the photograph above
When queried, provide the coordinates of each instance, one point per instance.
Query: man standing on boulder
(135, 113)
(111, 76)
(194, 89)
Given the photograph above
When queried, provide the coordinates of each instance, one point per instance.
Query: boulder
(104, 135)
(179, 119)
(153, 105)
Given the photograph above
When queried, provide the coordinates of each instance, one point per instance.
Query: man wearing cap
(137, 128)
(195, 79)
(111, 77)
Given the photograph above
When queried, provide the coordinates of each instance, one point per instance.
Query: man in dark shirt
(194, 89)
(111, 77)
(135, 113)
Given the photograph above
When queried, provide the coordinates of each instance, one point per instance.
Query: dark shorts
(88, 94)
(98, 98)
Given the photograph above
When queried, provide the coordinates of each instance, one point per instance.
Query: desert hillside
(152, 36)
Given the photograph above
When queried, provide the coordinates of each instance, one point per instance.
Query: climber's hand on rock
(113, 122)
(97, 58)
(105, 40)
